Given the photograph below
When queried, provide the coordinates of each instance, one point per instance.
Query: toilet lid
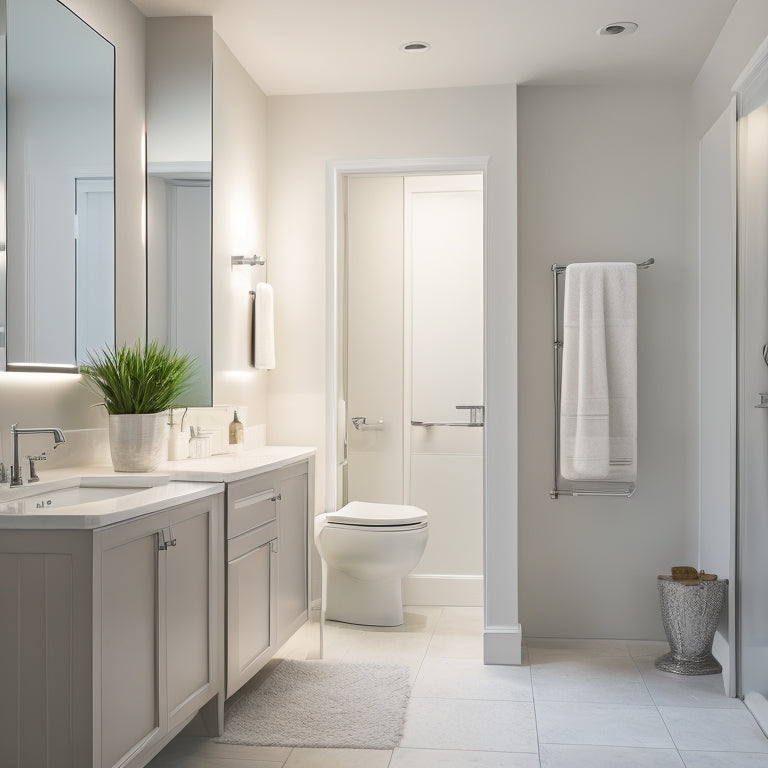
(366, 513)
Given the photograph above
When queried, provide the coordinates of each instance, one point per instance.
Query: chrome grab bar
(476, 418)
(447, 423)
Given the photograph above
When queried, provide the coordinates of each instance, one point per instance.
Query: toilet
(366, 550)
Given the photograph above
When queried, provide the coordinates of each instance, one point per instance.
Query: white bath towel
(598, 407)
(264, 328)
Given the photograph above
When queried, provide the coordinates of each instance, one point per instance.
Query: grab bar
(447, 423)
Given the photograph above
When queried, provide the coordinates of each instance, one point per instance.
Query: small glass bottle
(236, 431)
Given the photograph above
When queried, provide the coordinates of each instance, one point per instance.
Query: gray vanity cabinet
(156, 606)
(111, 639)
(267, 583)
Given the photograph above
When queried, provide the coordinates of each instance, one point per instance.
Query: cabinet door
(189, 590)
(292, 558)
(251, 630)
(127, 600)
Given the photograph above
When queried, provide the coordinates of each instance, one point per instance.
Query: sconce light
(248, 261)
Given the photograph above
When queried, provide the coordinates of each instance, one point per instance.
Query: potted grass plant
(137, 384)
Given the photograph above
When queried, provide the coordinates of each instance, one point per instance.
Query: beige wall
(239, 227)
(305, 132)
(48, 399)
(601, 178)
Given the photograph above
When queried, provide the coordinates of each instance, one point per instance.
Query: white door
(414, 351)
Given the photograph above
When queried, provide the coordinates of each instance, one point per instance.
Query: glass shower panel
(753, 422)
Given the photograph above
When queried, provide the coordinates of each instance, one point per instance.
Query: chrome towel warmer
(591, 489)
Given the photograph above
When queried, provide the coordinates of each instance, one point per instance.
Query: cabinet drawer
(249, 512)
(251, 540)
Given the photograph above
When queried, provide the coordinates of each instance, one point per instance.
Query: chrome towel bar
(557, 346)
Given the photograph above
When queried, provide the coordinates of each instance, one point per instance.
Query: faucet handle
(33, 478)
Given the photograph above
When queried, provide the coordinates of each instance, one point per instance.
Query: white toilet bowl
(366, 550)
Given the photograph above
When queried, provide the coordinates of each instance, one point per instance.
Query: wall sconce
(248, 261)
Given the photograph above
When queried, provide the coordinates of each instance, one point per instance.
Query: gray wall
(601, 177)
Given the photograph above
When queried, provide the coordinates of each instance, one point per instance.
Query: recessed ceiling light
(618, 28)
(415, 46)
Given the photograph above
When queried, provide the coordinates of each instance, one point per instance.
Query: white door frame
(336, 170)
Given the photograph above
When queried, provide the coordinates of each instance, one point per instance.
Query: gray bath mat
(322, 704)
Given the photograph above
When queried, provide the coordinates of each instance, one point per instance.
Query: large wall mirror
(60, 284)
(179, 154)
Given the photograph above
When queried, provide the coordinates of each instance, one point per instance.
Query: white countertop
(227, 467)
(174, 482)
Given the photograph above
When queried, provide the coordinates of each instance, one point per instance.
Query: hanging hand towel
(263, 328)
(598, 409)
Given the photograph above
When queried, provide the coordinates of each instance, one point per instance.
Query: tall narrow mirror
(179, 151)
(60, 187)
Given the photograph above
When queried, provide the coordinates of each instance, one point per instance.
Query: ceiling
(327, 46)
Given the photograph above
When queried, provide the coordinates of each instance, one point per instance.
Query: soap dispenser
(178, 446)
(236, 432)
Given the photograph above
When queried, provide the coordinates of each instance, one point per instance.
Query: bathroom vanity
(268, 540)
(131, 603)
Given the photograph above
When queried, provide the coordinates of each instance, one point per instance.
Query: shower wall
(414, 351)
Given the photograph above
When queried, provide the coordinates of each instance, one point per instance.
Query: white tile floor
(574, 703)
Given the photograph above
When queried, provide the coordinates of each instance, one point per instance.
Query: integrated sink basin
(79, 496)
(63, 498)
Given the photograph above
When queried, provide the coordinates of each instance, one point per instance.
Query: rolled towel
(263, 328)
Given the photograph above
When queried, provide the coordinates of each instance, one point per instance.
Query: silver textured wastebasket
(690, 613)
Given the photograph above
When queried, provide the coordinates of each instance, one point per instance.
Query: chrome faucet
(58, 439)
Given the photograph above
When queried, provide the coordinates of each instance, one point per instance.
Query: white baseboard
(721, 651)
(442, 589)
(503, 645)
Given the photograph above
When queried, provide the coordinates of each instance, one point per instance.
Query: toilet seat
(372, 516)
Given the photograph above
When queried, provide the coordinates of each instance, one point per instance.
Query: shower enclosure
(753, 410)
(410, 375)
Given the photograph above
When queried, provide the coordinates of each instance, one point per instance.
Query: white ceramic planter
(138, 441)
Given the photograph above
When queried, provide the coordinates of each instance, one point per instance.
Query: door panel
(188, 628)
(250, 616)
(129, 646)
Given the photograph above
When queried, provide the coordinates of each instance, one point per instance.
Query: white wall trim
(752, 84)
(503, 645)
(443, 589)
